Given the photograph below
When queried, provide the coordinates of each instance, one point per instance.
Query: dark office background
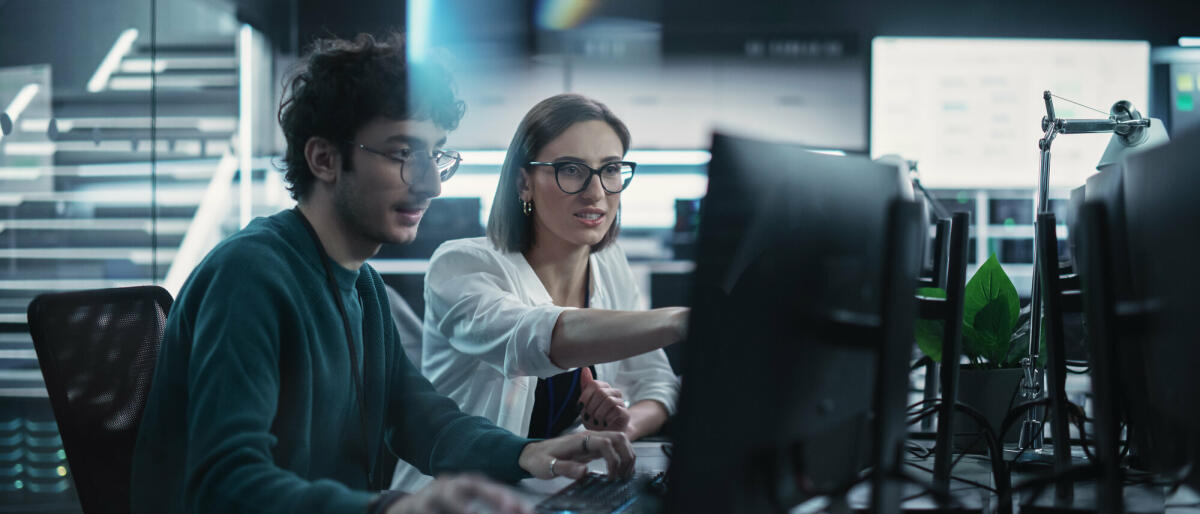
(71, 230)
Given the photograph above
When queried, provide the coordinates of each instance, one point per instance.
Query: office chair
(97, 350)
(953, 276)
(935, 276)
(1057, 300)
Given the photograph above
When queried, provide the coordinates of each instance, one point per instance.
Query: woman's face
(581, 219)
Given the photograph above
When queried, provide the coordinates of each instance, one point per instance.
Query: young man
(281, 385)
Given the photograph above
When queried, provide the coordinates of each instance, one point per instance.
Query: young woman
(539, 324)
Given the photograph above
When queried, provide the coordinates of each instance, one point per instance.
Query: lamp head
(1129, 136)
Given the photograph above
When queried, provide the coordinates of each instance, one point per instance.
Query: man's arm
(429, 431)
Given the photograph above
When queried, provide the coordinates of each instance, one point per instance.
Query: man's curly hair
(342, 85)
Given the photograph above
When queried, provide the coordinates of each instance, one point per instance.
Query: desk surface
(977, 468)
(651, 459)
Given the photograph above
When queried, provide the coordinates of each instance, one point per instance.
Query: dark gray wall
(1161, 22)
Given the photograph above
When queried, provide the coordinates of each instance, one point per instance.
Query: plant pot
(992, 392)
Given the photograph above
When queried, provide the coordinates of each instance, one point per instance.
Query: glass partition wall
(118, 118)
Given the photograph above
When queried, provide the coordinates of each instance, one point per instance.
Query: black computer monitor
(1162, 218)
(1071, 218)
(687, 223)
(1128, 277)
(1108, 187)
(777, 388)
(447, 218)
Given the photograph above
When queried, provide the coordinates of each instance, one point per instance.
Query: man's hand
(462, 493)
(568, 455)
(601, 406)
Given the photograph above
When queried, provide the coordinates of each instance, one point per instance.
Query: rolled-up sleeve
(474, 309)
(648, 377)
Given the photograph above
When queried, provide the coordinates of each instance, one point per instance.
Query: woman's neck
(562, 268)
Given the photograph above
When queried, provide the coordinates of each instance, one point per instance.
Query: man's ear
(324, 159)
(524, 185)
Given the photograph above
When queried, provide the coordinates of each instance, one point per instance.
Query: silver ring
(553, 460)
(585, 441)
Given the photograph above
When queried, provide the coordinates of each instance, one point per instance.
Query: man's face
(372, 199)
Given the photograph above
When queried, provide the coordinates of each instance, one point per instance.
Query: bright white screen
(969, 110)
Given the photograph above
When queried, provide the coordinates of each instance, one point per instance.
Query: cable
(938, 209)
(978, 436)
(922, 415)
(920, 363)
(928, 400)
(1080, 422)
(918, 451)
(1079, 104)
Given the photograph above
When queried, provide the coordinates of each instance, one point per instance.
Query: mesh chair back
(97, 351)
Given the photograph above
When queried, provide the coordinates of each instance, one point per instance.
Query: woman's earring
(527, 207)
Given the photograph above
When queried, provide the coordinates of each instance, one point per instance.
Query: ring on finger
(585, 441)
(553, 461)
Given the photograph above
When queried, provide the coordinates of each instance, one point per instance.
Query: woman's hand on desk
(602, 406)
(462, 493)
(568, 455)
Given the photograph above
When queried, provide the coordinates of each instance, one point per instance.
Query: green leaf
(990, 288)
(929, 337)
(993, 327)
(932, 292)
(989, 283)
(929, 332)
(973, 342)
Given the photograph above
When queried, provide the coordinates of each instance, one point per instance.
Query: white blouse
(486, 341)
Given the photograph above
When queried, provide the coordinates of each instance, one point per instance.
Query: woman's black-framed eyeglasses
(573, 177)
(444, 161)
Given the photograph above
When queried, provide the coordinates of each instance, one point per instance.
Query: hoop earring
(527, 208)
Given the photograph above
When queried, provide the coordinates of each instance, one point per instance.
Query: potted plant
(992, 345)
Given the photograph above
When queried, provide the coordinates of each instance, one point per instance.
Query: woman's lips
(590, 219)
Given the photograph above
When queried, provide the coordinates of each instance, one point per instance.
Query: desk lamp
(1130, 133)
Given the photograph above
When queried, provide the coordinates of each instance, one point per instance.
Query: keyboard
(596, 493)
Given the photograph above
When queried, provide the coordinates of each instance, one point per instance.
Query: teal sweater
(253, 408)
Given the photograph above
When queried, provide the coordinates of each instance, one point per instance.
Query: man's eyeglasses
(444, 161)
(573, 177)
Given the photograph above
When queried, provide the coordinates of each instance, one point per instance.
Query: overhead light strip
(111, 61)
